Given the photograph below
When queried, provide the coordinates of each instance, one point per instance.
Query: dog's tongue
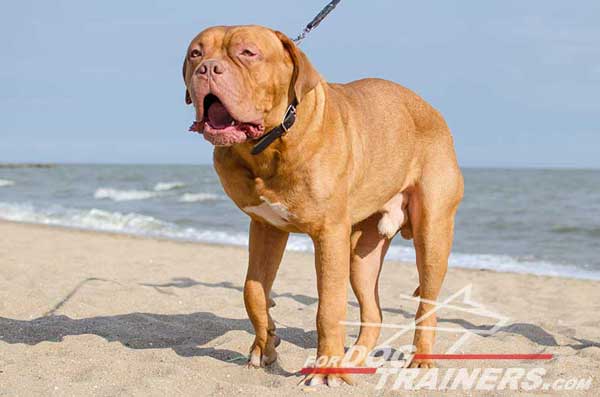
(218, 116)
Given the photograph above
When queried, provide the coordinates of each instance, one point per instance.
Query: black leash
(290, 114)
(316, 20)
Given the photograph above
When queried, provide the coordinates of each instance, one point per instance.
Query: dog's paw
(263, 357)
(331, 374)
(422, 363)
(331, 380)
(258, 360)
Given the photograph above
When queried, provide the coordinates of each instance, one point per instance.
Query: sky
(100, 82)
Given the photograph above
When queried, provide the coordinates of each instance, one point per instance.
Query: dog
(350, 165)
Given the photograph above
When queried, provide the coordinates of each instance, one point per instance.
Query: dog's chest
(268, 202)
(274, 213)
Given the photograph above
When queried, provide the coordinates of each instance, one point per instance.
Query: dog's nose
(210, 66)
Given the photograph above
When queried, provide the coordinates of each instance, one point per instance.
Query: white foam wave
(130, 223)
(500, 263)
(123, 195)
(6, 183)
(94, 219)
(138, 224)
(164, 186)
(198, 197)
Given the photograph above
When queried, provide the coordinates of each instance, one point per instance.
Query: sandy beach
(85, 313)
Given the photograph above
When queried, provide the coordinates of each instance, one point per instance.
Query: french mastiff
(354, 165)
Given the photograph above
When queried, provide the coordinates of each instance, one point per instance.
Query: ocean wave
(6, 183)
(579, 230)
(123, 195)
(500, 263)
(94, 219)
(198, 197)
(164, 186)
(505, 263)
(139, 224)
(130, 223)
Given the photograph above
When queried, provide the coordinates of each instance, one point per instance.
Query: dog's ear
(188, 98)
(304, 77)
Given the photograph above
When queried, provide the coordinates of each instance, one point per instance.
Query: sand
(85, 313)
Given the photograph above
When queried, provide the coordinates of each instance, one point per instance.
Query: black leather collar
(289, 118)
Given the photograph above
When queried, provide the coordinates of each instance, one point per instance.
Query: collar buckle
(289, 117)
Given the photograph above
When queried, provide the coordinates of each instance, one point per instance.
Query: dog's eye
(195, 53)
(248, 53)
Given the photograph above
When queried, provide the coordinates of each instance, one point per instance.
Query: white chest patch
(276, 214)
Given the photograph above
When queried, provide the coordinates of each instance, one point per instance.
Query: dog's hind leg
(368, 250)
(432, 211)
(266, 250)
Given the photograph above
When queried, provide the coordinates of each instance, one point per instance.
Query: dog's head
(241, 80)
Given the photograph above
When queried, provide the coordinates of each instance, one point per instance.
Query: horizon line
(47, 164)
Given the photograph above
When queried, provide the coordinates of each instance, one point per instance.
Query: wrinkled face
(238, 79)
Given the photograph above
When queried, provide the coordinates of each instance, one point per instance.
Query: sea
(536, 221)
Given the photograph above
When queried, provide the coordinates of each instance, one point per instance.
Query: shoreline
(141, 236)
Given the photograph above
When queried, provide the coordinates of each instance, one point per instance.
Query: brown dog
(363, 161)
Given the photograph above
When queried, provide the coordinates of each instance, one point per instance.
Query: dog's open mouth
(220, 128)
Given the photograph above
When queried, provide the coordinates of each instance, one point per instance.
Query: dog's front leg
(332, 253)
(266, 248)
